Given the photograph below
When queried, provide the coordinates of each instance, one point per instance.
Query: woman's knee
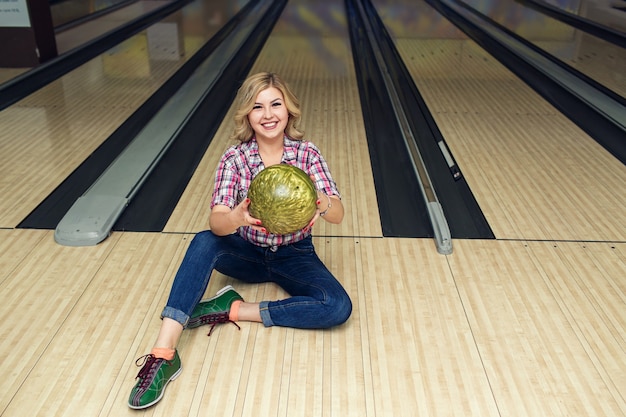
(338, 309)
(205, 236)
(204, 239)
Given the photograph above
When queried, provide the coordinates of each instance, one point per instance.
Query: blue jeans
(317, 300)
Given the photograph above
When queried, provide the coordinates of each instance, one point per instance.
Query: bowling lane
(66, 12)
(45, 136)
(74, 36)
(310, 48)
(610, 13)
(534, 173)
(598, 59)
(78, 35)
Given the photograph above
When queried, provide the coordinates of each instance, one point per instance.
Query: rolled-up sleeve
(226, 183)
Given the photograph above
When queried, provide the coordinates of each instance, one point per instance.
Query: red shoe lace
(149, 367)
(215, 319)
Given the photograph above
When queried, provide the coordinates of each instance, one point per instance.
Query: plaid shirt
(242, 162)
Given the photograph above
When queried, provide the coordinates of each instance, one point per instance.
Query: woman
(266, 125)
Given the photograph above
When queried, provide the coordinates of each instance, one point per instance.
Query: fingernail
(258, 222)
(247, 200)
(318, 202)
(263, 230)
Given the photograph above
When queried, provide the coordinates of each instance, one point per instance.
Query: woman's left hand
(317, 212)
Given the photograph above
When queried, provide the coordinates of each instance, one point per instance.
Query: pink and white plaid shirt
(242, 162)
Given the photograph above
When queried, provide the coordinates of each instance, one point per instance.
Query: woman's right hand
(224, 221)
(242, 211)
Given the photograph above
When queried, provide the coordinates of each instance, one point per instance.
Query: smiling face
(269, 115)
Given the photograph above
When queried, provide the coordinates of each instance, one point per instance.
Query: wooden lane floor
(521, 325)
(78, 35)
(45, 136)
(534, 173)
(496, 329)
(75, 36)
(596, 58)
(67, 309)
(549, 321)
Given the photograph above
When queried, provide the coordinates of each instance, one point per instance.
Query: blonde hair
(246, 97)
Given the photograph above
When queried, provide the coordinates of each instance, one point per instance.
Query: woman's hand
(225, 221)
(320, 197)
(242, 211)
(329, 207)
(315, 216)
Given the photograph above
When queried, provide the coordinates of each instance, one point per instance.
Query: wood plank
(424, 360)
(535, 174)
(429, 334)
(89, 329)
(15, 247)
(40, 147)
(39, 294)
(348, 389)
(530, 340)
(588, 280)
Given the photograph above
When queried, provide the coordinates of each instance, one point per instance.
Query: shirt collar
(289, 152)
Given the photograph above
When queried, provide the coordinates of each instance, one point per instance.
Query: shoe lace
(215, 319)
(149, 366)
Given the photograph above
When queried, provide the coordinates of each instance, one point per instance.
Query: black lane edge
(27, 83)
(608, 134)
(152, 206)
(50, 211)
(583, 77)
(593, 28)
(402, 208)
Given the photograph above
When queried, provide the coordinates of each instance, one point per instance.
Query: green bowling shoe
(153, 377)
(215, 310)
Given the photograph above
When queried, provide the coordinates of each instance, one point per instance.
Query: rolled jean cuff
(265, 314)
(176, 315)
